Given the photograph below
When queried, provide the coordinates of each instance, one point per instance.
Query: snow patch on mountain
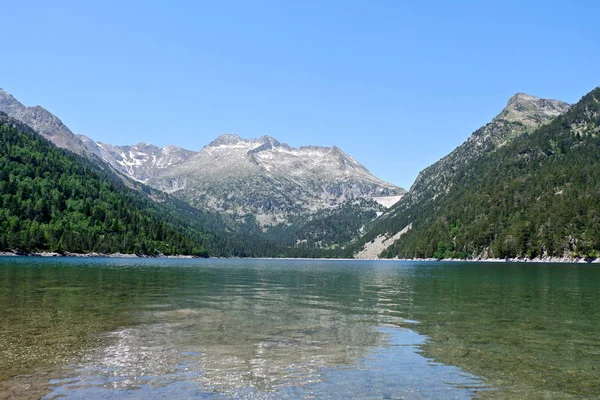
(141, 161)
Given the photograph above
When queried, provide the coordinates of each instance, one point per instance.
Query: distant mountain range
(527, 184)
(261, 177)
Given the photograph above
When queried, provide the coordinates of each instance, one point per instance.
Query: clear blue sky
(395, 84)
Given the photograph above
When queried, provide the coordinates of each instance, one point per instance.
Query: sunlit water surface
(271, 329)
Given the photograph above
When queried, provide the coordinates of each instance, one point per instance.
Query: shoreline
(553, 260)
(87, 255)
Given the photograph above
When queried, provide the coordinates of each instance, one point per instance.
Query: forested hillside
(328, 229)
(54, 200)
(538, 195)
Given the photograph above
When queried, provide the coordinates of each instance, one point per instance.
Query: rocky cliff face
(41, 121)
(262, 177)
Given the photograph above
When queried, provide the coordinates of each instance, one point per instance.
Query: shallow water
(129, 328)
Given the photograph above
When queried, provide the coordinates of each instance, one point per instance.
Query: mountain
(263, 178)
(522, 114)
(42, 122)
(55, 200)
(433, 193)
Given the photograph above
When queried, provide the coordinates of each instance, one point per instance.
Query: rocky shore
(516, 259)
(98, 255)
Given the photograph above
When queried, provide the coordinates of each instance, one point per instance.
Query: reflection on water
(234, 349)
(296, 329)
(393, 370)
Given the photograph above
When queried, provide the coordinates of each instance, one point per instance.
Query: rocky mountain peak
(523, 113)
(530, 110)
(266, 143)
(8, 104)
(143, 147)
(339, 152)
(521, 97)
(226, 139)
(230, 139)
(171, 148)
(42, 121)
(345, 162)
(269, 140)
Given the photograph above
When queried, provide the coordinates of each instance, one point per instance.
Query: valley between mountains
(526, 185)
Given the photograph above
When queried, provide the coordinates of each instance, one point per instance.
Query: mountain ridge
(230, 170)
(43, 122)
(522, 114)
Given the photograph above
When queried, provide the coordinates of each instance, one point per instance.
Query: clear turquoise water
(131, 328)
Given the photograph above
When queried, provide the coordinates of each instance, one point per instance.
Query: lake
(272, 329)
